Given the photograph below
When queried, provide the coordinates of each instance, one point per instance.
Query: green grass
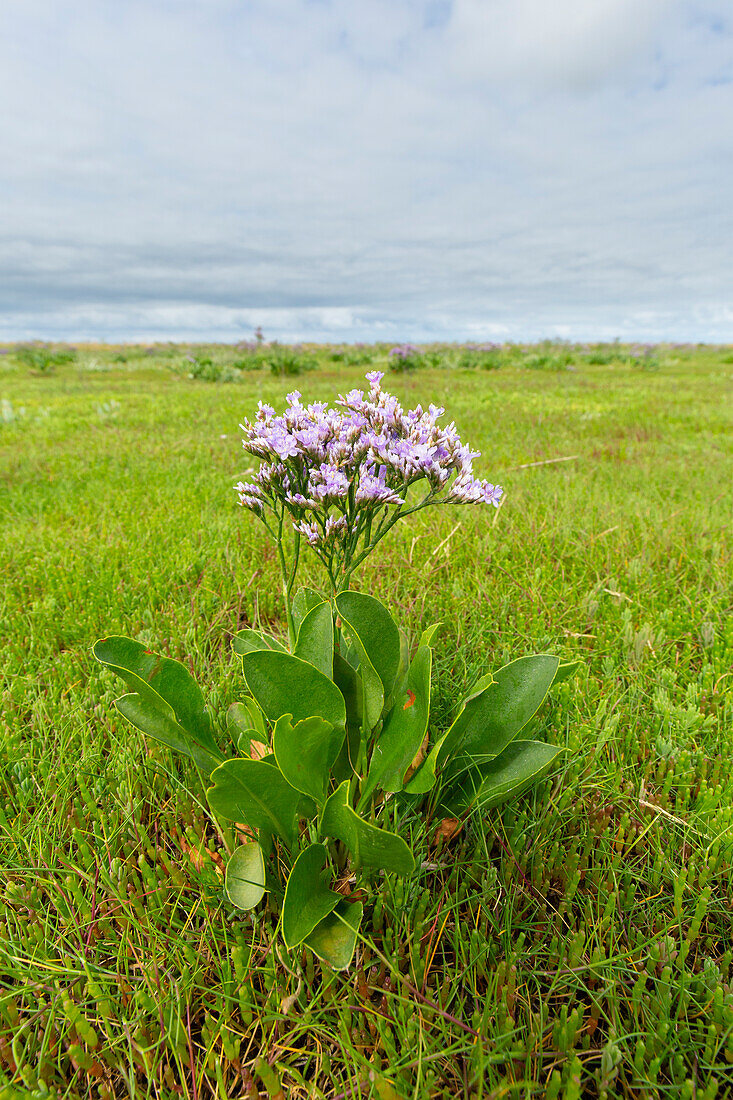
(575, 943)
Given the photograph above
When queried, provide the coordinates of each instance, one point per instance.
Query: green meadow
(574, 943)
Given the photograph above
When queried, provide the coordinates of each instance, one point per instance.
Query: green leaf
(349, 684)
(158, 725)
(347, 681)
(481, 786)
(258, 718)
(246, 722)
(372, 693)
(245, 876)
(283, 684)
(493, 715)
(369, 846)
(241, 727)
(250, 641)
(315, 639)
(424, 778)
(428, 634)
(334, 938)
(565, 671)
(378, 633)
(256, 793)
(305, 753)
(404, 729)
(404, 665)
(305, 600)
(162, 687)
(307, 897)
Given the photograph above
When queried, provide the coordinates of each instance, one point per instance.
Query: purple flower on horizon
(403, 351)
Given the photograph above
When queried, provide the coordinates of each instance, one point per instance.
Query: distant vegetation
(223, 363)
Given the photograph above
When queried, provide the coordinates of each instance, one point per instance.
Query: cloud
(567, 43)
(400, 167)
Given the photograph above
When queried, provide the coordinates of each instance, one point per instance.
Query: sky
(361, 170)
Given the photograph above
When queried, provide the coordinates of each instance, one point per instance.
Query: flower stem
(287, 581)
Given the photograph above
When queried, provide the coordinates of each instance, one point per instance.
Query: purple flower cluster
(334, 472)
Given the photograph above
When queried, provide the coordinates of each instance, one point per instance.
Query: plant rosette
(335, 725)
(343, 718)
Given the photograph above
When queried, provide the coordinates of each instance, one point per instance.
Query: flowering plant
(404, 357)
(341, 478)
(333, 731)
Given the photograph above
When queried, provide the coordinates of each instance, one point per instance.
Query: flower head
(342, 476)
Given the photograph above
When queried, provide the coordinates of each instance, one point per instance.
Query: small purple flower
(373, 488)
(335, 527)
(283, 443)
(310, 531)
(328, 483)
(298, 500)
(250, 496)
(492, 493)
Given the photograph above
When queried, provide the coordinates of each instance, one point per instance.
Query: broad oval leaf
(155, 723)
(251, 641)
(481, 786)
(283, 684)
(307, 897)
(305, 600)
(494, 716)
(255, 792)
(315, 639)
(369, 846)
(404, 729)
(334, 938)
(372, 690)
(245, 876)
(378, 633)
(164, 685)
(305, 753)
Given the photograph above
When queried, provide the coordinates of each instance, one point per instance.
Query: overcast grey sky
(366, 169)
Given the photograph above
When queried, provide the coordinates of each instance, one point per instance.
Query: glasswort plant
(333, 731)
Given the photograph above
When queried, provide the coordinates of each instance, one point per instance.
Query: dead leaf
(345, 884)
(257, 750)
(217, 859)
(194, 854)
(287, 1002)
(446, 830)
